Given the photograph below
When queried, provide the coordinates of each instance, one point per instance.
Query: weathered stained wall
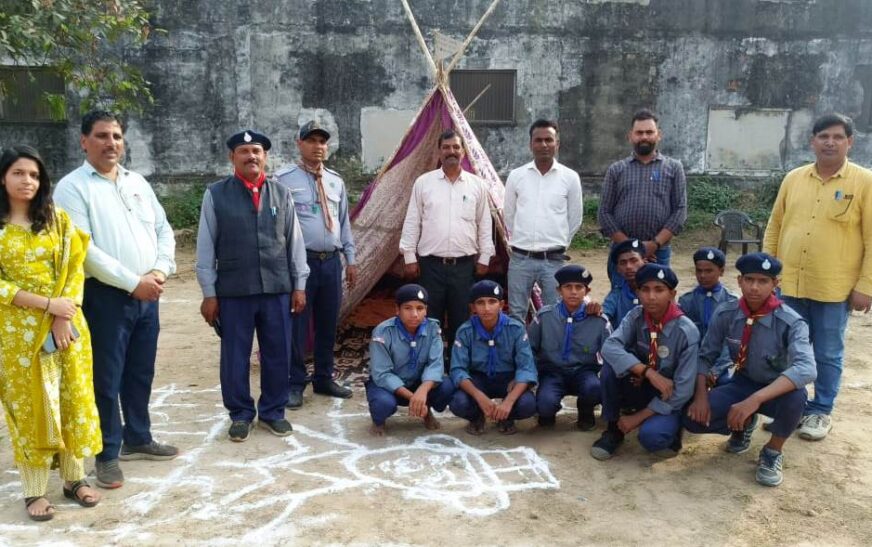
(269, 64)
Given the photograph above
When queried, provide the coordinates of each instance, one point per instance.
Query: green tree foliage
(88, 43)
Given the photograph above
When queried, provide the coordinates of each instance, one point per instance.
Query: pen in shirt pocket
(273, 210)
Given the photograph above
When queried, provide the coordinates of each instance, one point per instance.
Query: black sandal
(73, 493)
(39, 518)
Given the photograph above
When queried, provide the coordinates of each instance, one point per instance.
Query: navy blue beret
(656, 272)
(573, 273)
(410, 292)
(625, 246)
(249, 136)
(486, 289)
(711, 254)
(759, 263)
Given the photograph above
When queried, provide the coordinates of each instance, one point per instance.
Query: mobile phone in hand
(50, 346)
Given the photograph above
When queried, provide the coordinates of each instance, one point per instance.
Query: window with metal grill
(864, 74)
(31, 95)
(487, 96)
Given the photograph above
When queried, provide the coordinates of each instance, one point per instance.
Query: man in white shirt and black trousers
(448, 225)
(542, 212)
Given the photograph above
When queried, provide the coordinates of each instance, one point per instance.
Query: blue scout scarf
(412, 340)
(571, 321)
(502, 321)
(708, 303)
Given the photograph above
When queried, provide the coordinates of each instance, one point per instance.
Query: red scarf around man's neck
(253, 187)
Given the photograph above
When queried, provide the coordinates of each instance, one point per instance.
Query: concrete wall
(270, 64)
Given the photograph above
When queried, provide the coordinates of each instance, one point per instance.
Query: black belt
(449, 261)
(552, 254)
(321, 255)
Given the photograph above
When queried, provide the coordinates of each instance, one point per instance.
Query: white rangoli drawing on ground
(433, 468)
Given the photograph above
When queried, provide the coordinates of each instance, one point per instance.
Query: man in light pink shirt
(447, 235)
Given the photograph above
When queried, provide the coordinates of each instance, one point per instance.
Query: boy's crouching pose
(774, 362)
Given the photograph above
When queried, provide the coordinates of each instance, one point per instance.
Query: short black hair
(94, 116)
(829, 120)
(449, 134)
(542, 122)
(643, 114)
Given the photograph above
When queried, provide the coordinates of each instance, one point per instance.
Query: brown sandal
(39, 518)
(73, 493)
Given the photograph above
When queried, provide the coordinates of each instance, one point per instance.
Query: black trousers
(448, 285)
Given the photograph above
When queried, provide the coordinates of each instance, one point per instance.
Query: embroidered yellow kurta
(48, 398)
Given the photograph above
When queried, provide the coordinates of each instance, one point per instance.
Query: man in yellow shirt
(821, 229)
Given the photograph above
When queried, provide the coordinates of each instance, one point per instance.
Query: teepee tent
(377, 220)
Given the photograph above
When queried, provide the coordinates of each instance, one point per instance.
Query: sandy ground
(332, 483)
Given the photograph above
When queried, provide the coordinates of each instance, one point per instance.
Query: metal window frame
(513, 72)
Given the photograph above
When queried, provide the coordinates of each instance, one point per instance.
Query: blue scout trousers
(269, 315)
(657, 432)
(554, 385)
(496, 386)
(124, 335)
(383, 404)
(323, 298)
(786, 410)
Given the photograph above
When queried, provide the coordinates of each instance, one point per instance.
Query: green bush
(183, 205)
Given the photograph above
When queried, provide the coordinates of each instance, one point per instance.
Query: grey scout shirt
(779, 345)
(470, 351)
(305, 193)
(389, 356)
(641, 199)
(546, 341)
(678, 355)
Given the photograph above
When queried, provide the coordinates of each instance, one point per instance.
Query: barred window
(31, 95)
(489, 95)
(864, 74)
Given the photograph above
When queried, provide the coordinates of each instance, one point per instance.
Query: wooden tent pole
(477, 97)
(420, 37)
(462, 50)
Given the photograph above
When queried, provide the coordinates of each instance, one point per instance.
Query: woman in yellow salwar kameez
(48, 396)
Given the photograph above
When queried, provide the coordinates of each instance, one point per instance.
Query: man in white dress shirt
(447, 235)
(542, 213)
(130, 256)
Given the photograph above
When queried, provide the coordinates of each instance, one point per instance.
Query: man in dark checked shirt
(644, 196)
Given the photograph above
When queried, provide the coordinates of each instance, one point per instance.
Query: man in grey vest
(251, 266)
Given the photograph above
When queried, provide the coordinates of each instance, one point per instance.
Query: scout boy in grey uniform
(566, 341)
(628, 256)
(406, 364)
(650, 367)
(774, 362)
(700, 303)
(491, 358)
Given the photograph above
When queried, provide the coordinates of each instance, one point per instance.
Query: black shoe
(239, 431)
(547, 421)
(279, 428)
(333, 390)
(152, 451)
(295, 400)
(586, 419)
(606, 445)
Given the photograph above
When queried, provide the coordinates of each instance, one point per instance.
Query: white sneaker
(815, 427)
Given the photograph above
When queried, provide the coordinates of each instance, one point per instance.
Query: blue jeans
(323, 299)
(663, 256)
(124, 335)
(383, 404)
(826, 327)
(523, 273)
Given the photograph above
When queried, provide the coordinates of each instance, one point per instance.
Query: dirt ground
(331, 483)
